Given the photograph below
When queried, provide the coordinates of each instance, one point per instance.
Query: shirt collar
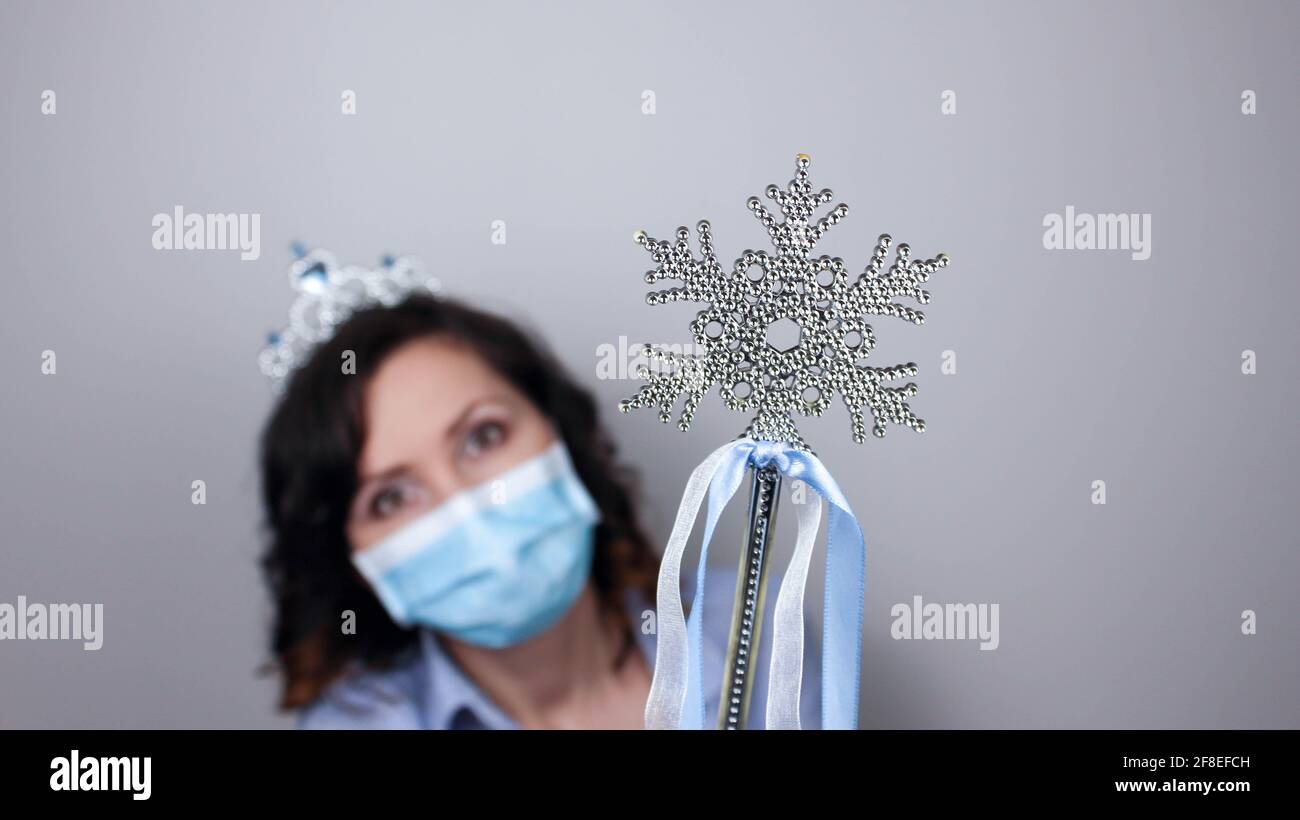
(449, 691)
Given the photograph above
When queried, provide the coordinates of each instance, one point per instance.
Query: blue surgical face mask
(493, 565)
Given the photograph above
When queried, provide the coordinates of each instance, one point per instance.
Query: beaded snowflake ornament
(783, 332)
(327, 295)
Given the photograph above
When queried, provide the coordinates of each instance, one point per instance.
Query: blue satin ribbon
(845, 580)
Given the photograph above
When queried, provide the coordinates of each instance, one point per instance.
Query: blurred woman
(454, 543)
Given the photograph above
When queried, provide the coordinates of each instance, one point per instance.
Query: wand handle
(747, 608)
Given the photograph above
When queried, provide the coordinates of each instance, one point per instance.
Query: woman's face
(438, 420)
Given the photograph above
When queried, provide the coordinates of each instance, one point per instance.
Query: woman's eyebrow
(395, 470)
(398, 469)
(471, 407)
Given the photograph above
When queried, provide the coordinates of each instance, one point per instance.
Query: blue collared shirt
(427, 689)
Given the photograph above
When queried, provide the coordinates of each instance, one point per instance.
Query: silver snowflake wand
(782, 333)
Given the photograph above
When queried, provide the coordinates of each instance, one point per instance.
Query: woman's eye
(484, 437)
(387, 501)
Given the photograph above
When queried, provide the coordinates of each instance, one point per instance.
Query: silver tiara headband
(327, 295)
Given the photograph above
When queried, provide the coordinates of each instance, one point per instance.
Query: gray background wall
(1072, 366)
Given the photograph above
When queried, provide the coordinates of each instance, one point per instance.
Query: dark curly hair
(309, 453)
